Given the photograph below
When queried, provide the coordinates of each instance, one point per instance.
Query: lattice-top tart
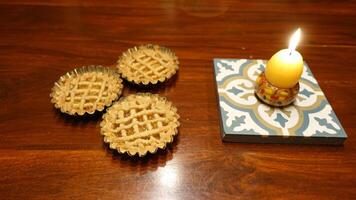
(140, 123)
(147, 64)
(86, 90)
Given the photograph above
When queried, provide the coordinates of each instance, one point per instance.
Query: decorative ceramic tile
(310, 119)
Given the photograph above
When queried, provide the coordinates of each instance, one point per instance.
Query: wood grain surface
(48, 155)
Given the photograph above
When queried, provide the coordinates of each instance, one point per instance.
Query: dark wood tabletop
(48, 155)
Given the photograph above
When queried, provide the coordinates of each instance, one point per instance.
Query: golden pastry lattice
(86, 90)
(140, 123)
(148, 64)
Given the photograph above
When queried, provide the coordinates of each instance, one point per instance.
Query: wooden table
(48, 155)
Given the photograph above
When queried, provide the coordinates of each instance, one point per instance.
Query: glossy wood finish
(48, 155)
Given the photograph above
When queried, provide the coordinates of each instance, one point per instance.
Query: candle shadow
(77, 120)
(160, 87)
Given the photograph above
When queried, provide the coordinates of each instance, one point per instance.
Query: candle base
(273, 95)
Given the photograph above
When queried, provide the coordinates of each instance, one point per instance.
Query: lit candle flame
(293, 42)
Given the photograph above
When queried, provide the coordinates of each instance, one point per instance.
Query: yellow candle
(285, 67)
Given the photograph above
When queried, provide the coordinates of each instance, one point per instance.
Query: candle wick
(290, 53)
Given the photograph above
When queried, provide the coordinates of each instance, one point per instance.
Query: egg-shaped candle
(285, 67)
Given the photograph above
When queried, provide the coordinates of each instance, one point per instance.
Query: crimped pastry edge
(151, 46)
(175, 129)
(81, 70)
